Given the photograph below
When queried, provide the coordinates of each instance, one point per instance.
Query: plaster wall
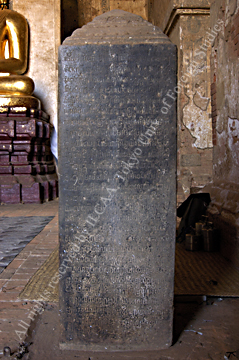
(138, 7)
(194, 112)
(164, 10)
(43, 17)
(225, 114)
(225, 63)
(187, 24)
(76, 13)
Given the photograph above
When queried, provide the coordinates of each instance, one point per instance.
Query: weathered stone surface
(187, 23)
(191, 160)
(117, 165)
(163, 9)
(114, 27)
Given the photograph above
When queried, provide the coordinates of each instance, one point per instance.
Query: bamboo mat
(16, 232)
(204, 273)
(196, 273)
(41, 282)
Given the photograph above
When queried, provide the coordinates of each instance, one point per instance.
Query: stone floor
(205, 330)
(202, 329)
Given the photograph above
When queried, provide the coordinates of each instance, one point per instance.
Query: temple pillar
(187, 23)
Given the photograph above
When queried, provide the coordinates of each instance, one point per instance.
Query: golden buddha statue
(15, 88)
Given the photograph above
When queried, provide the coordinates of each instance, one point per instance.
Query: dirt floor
(207, 330)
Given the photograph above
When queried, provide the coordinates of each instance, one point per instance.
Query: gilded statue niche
(15, 88)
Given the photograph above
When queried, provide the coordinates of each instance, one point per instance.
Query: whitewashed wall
(43, 17)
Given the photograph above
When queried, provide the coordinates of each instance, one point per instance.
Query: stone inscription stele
(117, 165)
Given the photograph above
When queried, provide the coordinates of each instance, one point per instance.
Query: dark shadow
(229, 235)
(185, 309)
(69, 17)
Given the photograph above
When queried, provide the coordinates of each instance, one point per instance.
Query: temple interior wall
(215, 24)
(43, 17)
(187, 24)
(194, 105)
(224, 189)
(84, 11)
(164, 10)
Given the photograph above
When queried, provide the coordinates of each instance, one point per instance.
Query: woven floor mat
(16, 233)
(196, 273)
(204, 273)
(44, 281)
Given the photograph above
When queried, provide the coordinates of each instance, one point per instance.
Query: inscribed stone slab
(117, 165)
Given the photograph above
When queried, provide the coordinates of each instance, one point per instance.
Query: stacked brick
(27, 171)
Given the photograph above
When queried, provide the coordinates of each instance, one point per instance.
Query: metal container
(210, 240)
(193, 242)
(198, 227)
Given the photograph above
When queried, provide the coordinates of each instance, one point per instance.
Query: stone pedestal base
(27, 171)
